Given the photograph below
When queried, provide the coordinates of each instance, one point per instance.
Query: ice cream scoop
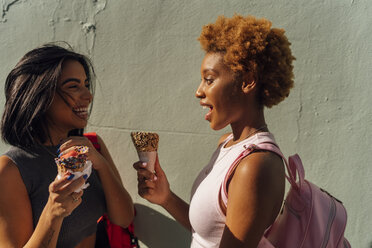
(145, 141)
(75, 162)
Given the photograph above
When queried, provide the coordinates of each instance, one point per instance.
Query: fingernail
(144, 164)
(155, 178)
(85, 176)
(70, 177)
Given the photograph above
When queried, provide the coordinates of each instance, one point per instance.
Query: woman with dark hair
(48, 95)
(247, 66)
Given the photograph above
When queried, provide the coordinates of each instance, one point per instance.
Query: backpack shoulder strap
(294, 166)
(93, 138)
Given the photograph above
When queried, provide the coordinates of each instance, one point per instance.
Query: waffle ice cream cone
(146, 144)
(145, 141)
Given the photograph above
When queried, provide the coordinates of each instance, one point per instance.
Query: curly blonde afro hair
(251, 45)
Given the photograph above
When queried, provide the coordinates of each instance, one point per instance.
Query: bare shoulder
(262, 166)
(10, 177)
(257, 188)
(223, 138)
(101, 142)
(261, 174)
(104, 150)
(7, 167)
(263, 161)
(255, 195)
(15, 206)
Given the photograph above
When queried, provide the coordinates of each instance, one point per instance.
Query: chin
(82, 126)
(216, 127)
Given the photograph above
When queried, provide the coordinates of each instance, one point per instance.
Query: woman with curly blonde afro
(247, 65)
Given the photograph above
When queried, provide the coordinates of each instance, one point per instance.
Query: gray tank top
(38, 170)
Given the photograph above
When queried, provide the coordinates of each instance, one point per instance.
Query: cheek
(59, 108)
(229, 99)
(68, 99)
(232, 91)
(235, 95)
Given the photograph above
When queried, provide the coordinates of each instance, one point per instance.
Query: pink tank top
(206, 217)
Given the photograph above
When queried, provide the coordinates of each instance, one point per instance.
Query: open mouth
(81, 112)
(208, 115)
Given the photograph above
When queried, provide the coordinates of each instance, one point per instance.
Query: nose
(200, 91)
(87, 95)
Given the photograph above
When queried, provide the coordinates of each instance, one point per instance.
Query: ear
(249, 83)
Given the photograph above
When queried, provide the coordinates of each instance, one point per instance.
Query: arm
(179, 209)
(155, 188)
(255, 197)
(119, 203)
(16, 225)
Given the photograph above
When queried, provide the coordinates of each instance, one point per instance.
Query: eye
(87, 85)
(209, 80)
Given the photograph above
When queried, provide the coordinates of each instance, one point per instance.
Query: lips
(81, 112)
(210, 108)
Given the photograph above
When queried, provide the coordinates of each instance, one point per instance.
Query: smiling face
(219, 92)
(69, 108)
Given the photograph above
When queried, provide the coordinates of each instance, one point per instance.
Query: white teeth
(81, 110)
(205, 107)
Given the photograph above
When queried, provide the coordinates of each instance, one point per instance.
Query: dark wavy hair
(29, 91)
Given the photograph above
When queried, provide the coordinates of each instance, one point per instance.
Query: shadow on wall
(156, 230)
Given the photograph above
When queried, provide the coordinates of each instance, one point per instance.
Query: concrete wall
(147, 61)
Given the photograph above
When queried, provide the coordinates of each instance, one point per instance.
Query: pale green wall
(147, 61)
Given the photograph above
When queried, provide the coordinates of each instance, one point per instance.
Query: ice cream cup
(149, 158)
(77, 174)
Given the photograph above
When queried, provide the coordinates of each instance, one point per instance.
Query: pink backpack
(310, 217)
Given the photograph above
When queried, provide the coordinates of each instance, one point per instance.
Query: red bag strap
(93, 138)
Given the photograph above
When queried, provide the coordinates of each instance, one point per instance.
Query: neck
(56, 135)
(249, 124)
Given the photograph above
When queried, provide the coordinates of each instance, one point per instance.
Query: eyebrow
(73, 79)
(209, 69)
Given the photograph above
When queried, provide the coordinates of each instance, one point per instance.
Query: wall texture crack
(78, 19)
(6, 4)
(299, 116)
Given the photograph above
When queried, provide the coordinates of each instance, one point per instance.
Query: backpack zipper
(291, 210)
(346, 244)
(332, 214)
